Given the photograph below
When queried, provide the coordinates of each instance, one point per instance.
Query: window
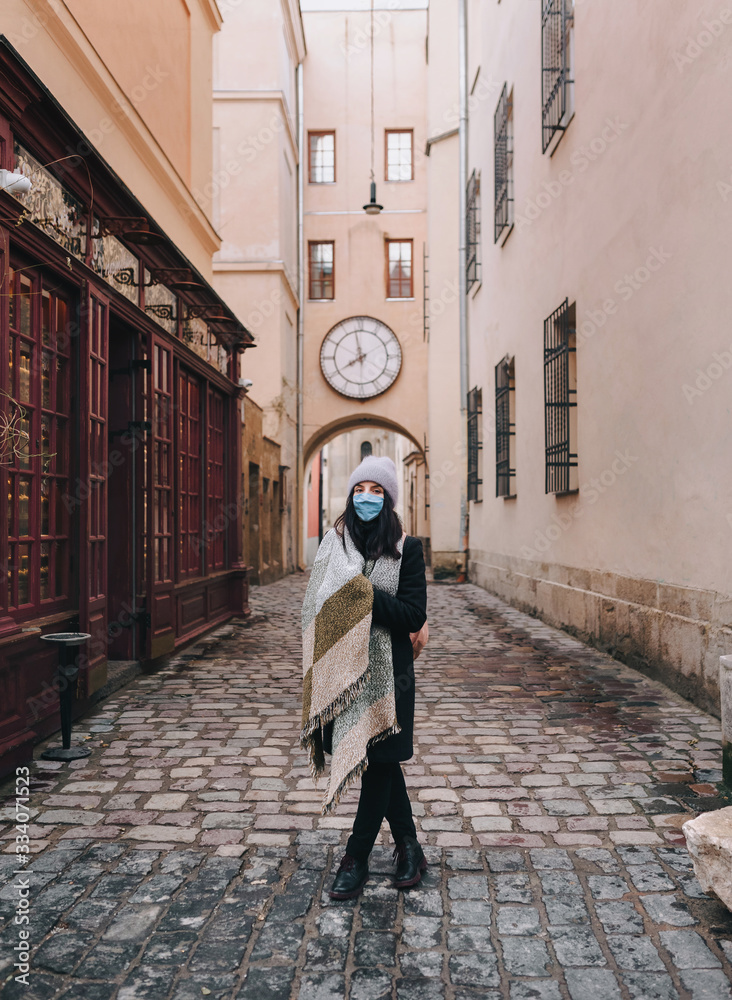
(98, 475)
(267, 533)
(322, 270)
(321, 153)
(366, 449)
(505, 423)
(162, 477)
(215, 484)
(399, 158)
(557, 68)
(503, 159)
(189, 476)
(475, 445)
(472, 263)
(38, 462)
(399, 284)
(283, 488)
(560, 391)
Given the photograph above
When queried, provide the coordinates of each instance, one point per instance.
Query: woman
(367, 592)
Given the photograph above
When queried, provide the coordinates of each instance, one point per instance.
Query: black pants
(383, 794)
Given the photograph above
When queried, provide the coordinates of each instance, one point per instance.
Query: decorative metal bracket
(179, 278)
(211, 313)
(126, 276)
(134, 229)
(163, 311)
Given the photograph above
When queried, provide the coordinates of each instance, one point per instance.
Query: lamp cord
(372, 90)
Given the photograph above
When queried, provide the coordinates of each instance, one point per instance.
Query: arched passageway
(336, 449)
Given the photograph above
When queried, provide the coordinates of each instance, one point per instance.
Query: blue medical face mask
(368, 505)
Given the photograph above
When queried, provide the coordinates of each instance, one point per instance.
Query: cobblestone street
(187, 857)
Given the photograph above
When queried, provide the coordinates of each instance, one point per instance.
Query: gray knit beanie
(377, 470)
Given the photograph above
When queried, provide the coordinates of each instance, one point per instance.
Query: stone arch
(351, 422)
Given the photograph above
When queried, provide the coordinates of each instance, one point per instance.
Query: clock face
(360, 357)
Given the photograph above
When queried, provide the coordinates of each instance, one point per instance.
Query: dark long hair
(372, 538)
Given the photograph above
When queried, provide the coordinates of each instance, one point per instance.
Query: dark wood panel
(191, 610)
(218, 597)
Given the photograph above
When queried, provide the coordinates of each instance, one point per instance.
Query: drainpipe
(463, 257)
(300, 317)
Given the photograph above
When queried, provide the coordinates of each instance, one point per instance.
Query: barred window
(505, 424)
(557, 67)
(503, 157)
(321, 156)
(399, 159)
(472, 264)
(475, 445)
(560, 403)
(322, 270)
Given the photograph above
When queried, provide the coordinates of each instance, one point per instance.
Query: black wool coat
(402, 613)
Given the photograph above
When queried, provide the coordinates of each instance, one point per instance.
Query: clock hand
(347, 350)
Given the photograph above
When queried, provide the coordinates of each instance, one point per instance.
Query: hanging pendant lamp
(372, 207)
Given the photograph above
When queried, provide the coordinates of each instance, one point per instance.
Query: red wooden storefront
(120, 404)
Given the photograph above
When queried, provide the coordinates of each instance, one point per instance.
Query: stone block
(709, 841)
(682, 645)
(161, 833)
(637, 591)
(166, 801)
(77, 817)
(725, 693)
(634, 837)
(688, 602)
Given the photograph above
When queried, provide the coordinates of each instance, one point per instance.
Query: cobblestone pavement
(187, 857)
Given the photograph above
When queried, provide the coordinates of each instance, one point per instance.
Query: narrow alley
(187, 857)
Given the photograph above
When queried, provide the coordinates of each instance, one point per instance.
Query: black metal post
(66, 675)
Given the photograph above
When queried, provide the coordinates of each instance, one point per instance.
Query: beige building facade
(263, 499)
(253, 190)
(141, 97)
(364, 273)
(447, 455)
(598, 342)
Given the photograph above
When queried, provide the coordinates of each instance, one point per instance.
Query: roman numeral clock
(360, 357)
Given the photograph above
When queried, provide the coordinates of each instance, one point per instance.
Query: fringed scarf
(348, 672)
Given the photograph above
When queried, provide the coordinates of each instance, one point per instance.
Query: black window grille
(504, 428)
(366, 449)
(559, 398)
(557, 22)
(503, 156)
(473, 230)
(475, 409)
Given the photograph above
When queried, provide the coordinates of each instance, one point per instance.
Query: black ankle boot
(351, 878)
(411, 862)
